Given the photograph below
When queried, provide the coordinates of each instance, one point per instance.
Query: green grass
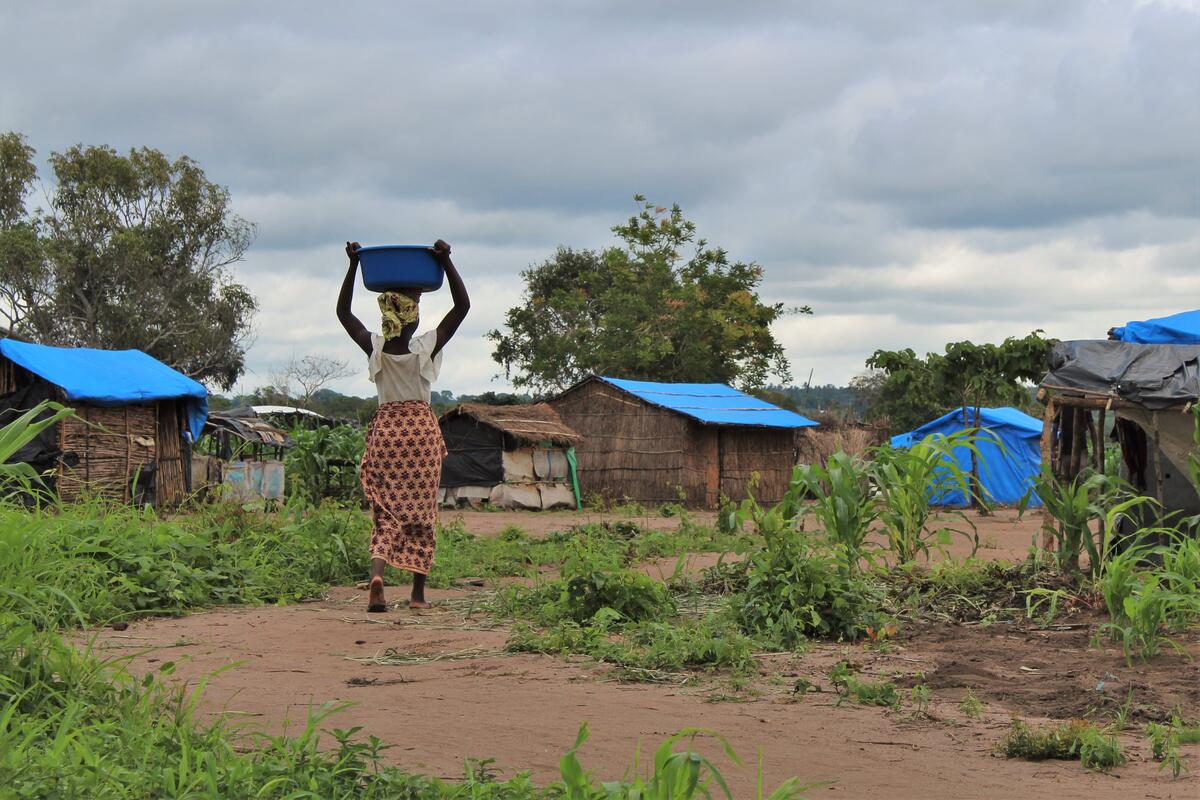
(96, 562)
(513, 553)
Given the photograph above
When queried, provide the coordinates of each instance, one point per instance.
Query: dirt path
(524, 710)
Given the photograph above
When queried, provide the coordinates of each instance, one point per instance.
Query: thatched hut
(508, 456)
(134, 420)
(671, 442)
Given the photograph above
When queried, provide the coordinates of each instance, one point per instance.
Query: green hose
(574, 476)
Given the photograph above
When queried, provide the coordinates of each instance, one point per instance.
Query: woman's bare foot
(417, 598)
(376, 604)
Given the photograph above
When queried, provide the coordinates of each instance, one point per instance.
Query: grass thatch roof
(530, 424)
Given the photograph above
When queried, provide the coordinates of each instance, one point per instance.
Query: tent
(1181, 328)
(1007, 468)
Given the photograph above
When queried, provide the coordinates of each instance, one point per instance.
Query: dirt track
(524, 710)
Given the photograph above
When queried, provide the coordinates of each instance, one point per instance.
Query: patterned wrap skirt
(401, 471)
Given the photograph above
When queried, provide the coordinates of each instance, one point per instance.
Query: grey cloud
(839, 145)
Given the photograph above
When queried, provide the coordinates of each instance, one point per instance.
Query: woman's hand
(352, 253)
(441, 251)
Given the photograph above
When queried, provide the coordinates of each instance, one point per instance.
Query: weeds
(651, 647)
(1094, 747)
(72, 726)
(675, 775)
(869, 693)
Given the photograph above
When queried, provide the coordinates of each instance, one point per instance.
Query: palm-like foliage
(911, 481)
(18, 477)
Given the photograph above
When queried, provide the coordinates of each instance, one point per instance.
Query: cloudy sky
(918, 172)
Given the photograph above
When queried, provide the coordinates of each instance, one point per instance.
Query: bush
(798, 589)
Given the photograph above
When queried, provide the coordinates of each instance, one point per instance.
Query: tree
(866, 390)
(641, 310)
(133, 253)
(967, 375)
(22, 262)
(301, 378)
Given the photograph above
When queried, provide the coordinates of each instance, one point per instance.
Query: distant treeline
(843, 401)
(839, 400)
(359, 409)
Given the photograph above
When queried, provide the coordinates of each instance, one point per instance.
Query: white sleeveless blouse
(400, 378)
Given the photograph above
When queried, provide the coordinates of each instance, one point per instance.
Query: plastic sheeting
(713, 403)
(475, 454)
(1181, 328)
(1152, 375)
(110, 377)
(1008, 462)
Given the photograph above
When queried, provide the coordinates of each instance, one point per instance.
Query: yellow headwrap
(398, 310)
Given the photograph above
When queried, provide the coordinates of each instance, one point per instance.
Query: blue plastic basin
(400, 266)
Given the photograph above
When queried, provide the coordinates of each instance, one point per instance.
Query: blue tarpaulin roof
(713, 403)
(1181, 328)
(110, 377)
(1006, 472)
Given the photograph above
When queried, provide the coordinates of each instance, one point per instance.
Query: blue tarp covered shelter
(1006, 470)
(694, 443)
(111, 377)
(1181, 328)
(713, 403)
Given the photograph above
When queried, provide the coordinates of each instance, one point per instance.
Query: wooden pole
(1099, 440)
(1158, 468)
(126, 493)
(1048, 420)
(1078, 441)
(1049, 428)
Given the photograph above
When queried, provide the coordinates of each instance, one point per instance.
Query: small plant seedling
(1165, 741)
(920, 698)
(1121, 719)
(971, 706)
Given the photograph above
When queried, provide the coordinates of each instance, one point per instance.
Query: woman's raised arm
(458, 292)
(353, 325)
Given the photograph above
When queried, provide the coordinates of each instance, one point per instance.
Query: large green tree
(910, 390)
(642, 309)
(133, 252)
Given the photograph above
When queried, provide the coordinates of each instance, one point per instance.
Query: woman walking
(402, 464)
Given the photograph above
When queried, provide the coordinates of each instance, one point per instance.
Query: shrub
(797, 589)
